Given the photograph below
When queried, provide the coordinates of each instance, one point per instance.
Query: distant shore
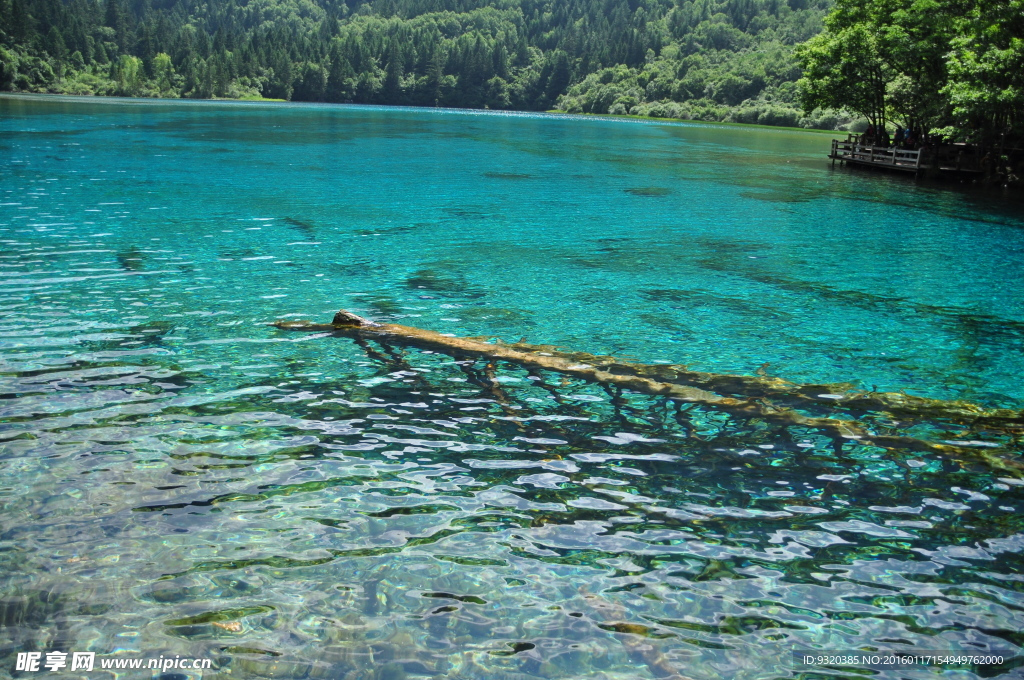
(256, 98)
(833, 133)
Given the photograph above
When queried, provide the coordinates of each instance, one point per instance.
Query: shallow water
(178, 478)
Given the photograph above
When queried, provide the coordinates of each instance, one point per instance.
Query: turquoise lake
(177, 477)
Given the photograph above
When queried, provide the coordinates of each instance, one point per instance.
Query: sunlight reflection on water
(178, 478)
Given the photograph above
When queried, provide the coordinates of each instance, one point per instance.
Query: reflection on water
(177, 478)
(405, 516)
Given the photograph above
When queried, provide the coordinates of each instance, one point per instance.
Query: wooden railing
(853, 150)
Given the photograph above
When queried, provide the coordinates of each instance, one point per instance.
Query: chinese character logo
(82, 661)
(27, 661)
(55, 661)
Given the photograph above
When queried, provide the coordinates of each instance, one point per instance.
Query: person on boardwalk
(869, 136)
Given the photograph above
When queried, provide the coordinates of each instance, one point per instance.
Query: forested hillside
(703, 59)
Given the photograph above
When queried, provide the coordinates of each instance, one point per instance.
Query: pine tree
(21, 24)
(57, 50)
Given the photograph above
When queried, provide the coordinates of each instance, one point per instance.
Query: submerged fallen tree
(766, 398)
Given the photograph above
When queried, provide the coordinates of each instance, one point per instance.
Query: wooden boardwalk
(888, 158)
(947, 160)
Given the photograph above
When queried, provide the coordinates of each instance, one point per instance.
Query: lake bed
(180, 478)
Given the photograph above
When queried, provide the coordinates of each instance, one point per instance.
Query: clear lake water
(177, 477)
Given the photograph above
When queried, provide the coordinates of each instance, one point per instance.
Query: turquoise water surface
(179, 478)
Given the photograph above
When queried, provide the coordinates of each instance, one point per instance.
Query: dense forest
(952, 67)
(700, 59)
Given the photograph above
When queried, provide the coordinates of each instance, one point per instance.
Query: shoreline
(626, 116)
(551, 112)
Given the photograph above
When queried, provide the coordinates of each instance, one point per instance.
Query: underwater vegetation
(648, 191)
(594, 436)
(508, 175)
(304, 227)
(131, 259)
(434, 513)
(443, 283)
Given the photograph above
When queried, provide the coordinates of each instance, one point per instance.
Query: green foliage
(743, 87)
(953, 66)
(842, 67)
(125, 73)
(705, 59)
(986, 72)
(164, 76)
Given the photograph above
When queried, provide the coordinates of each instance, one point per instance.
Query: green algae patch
(219, 616)
(507, 175)
(648, 191)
